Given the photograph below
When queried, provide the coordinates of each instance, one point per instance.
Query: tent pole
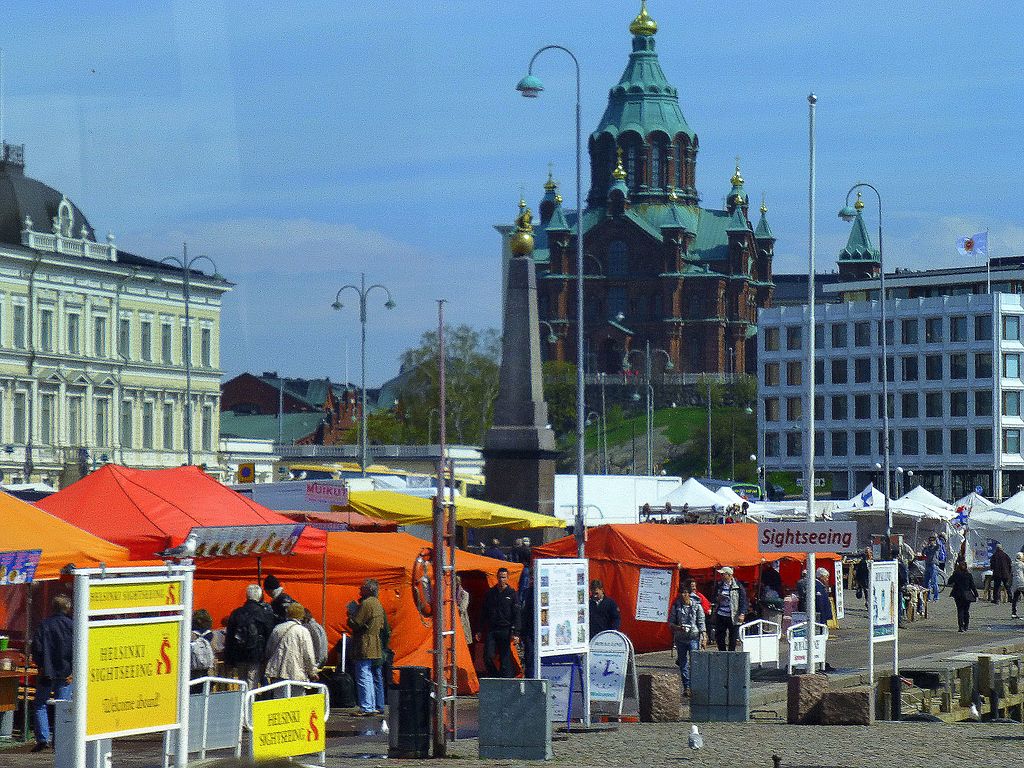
(24, 663)
(259, 569)
(323, 595)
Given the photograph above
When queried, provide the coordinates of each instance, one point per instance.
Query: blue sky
(300, 143)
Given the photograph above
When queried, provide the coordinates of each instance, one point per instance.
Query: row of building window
(76, 344)
(869, 443)
(867, 333)
(935, 406)
(48, 421)
(909, 369)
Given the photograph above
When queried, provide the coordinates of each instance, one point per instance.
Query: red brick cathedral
(658, 266)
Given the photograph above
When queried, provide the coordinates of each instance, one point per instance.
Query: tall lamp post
(362, 291)
(849, 213)
(530, 86)
(185, 264)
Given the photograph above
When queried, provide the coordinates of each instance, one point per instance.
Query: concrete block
(659, 697)
(515, 719)
(852, 706)
(804, 693)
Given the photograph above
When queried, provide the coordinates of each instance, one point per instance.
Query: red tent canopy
(618, 552)
(353, 521)
(147, 511)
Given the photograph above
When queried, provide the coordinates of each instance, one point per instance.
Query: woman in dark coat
(964, 592)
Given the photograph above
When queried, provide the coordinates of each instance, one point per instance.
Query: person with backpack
(319, 637)
(279, 599)
(203, 659)
(245, 637)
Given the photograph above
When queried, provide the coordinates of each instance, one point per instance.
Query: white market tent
(730, 496)
(694, 495)
(922, 495)
(987, 522)
(973, 501)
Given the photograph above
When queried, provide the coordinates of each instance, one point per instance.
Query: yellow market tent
(471, 513)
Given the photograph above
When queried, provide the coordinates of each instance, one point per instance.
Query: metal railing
(660, 379)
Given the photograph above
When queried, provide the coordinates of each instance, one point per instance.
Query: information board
(128, 595)
(652, 595)
(288, 727)
(885, 601)
(133, 678)
(840, 590)
(562, 607)
(18, 567)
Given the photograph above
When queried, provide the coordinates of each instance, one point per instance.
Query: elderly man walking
(730, 608)
(366, 618)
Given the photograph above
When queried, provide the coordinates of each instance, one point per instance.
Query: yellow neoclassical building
(93, 342)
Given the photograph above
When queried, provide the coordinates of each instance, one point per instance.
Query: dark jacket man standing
(1002, 573)
(245, 636)
(604, 612)
(502, 617)
(51, 651)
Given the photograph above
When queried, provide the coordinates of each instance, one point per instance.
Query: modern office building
(93, 344)
(955, 391)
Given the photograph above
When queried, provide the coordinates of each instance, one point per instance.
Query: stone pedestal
(851, 706)
(519, 449)
(659, 697)
(804, 694)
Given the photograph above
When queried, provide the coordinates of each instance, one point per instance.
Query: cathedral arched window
(631, 180)
(656, 164)
(618, 259)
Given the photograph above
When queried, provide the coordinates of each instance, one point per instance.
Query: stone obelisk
(519, 449)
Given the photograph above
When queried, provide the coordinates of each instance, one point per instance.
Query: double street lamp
(185, 264)
(849, 213)
(362, 291)
(649, 394)
(530, 87)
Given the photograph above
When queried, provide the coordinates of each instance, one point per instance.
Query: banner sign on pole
(19, 567)
(133, 678)
(241, 540)
(288, 727)
(885, 601)
(563, 607)
(823, 536)
(840, 590)
(652, 595)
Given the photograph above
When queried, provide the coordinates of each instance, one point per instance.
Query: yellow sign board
(133, 678)
(129, 596)
(288, 727)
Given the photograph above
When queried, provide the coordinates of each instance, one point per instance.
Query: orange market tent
(618, 552)
(350, 559)
(147, 511)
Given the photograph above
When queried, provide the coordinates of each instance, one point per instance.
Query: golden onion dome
(643, 24)
(619, 174)
(859, 205)
(550, 185)
(764, 206)
(737, 178)
(521, 241)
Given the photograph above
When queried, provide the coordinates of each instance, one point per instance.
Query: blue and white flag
(975, 245)
(868, 495)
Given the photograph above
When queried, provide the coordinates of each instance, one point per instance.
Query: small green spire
(858, 246)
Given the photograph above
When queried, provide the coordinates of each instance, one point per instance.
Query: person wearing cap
(1017, 584)
(604, 612)
(279, 599)
(730, 608)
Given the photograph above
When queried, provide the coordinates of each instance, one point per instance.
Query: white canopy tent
(922, 495)
(694, 495)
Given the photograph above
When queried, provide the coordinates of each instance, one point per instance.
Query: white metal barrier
(761, 639)
(797, 637)
(215, 718)
(289, 687)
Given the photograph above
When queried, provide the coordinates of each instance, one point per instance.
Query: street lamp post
(185, 265)
(849, 213)
(649, 394)
(604, 428)
(362, 291)
(530, 86)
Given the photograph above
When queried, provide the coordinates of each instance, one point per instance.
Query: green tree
(471, 376)
(706, 383)
(744, 391)
(560, 394)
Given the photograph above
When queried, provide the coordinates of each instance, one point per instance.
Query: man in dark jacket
(245, 636)
(279, 598)
(501, 615)
(604, 612)
(51, 651)
(822, 597)
(1002, 573)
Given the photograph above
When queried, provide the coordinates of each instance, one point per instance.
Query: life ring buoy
(422, 585)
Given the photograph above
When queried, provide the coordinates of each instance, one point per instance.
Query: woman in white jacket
(290, 654)
(1017, 582)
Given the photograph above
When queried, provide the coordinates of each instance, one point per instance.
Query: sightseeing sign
(131, 662)
(288, 727)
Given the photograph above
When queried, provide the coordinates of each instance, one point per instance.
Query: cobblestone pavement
(356, 741)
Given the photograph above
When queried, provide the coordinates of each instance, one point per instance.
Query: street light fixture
(363, 291)
(649, 392)
(530, 87)
(552, 338)
(185, 265)
(849, 213)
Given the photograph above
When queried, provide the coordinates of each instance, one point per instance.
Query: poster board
(883, 586)
(19, 567)
(131, 658)
(562, 607)
(840, 590)
(652, 595)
